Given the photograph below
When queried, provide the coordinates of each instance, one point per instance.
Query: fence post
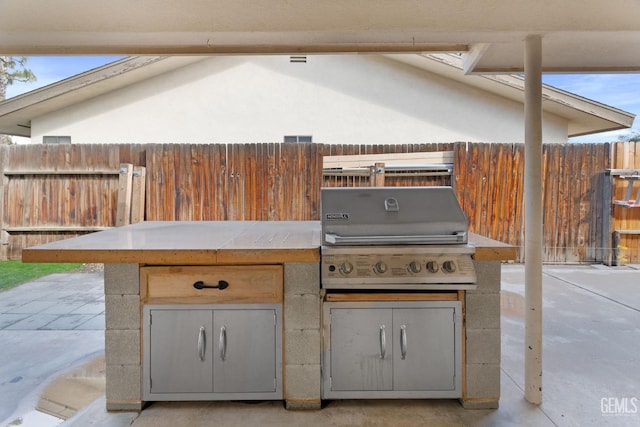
(123, 216)
(138, 194)
(378, 175)
(606, 243)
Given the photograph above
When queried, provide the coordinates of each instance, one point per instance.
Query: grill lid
(392, 215)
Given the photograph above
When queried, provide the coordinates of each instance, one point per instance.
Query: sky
(621, 91)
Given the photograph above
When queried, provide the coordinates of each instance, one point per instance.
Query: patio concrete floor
(52, 341)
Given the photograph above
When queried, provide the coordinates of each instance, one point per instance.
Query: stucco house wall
(333, 98)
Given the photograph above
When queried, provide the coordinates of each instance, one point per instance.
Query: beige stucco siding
(334, 98)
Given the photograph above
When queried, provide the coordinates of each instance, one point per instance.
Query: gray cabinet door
(361, 349)
(244, 351)
(180, 351)
(424, 348)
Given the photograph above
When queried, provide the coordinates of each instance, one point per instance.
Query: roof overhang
(584, 116)
(16, 113)
(578, 35)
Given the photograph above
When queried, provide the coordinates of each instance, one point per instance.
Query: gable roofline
(584, 116)
(16, 113)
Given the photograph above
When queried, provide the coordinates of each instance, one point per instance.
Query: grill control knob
(449, 266)
(432, 266)
(380, 267)
(415, 267)
(346, 267)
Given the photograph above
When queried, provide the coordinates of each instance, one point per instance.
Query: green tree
(12, 69)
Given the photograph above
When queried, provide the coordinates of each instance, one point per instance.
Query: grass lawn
(13, 273)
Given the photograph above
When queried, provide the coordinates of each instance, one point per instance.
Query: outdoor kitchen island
(238, 270)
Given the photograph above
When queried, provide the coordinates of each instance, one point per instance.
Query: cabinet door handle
(202, 343)
(222, 343)
(403, 341)
(222, 284)
(383, 342)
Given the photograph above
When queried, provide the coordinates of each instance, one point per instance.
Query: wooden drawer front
(247, 284)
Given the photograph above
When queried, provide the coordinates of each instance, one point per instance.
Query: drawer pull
(222, 284)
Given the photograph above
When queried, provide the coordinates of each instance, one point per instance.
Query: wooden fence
(625, 217)
(489, 180)
(50, 192)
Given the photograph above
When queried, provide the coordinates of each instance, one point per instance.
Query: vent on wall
(299, 59)
(56, 139)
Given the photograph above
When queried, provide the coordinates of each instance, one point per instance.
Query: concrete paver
(591, 353)
(68, 322)
(8, 319)
(96, 307)
(32, 307)
(63, 308)
(32, 322)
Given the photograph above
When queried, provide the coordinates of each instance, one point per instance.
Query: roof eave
(584, 115)
(16, 113)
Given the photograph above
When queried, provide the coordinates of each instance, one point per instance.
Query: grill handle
(383, 342)
(403, 341)
(456, 238)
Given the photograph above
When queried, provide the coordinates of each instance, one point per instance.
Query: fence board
(518, 220)
(4, 181)
(458, 180)
(550, 193)
(564, 210)
(502, 196)
(588, 206)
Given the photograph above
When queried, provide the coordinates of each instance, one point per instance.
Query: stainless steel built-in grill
(395, 238)
(393, 263)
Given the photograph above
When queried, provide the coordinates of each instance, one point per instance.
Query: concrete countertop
(211, 242)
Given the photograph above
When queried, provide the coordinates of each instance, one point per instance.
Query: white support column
(533, 218)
